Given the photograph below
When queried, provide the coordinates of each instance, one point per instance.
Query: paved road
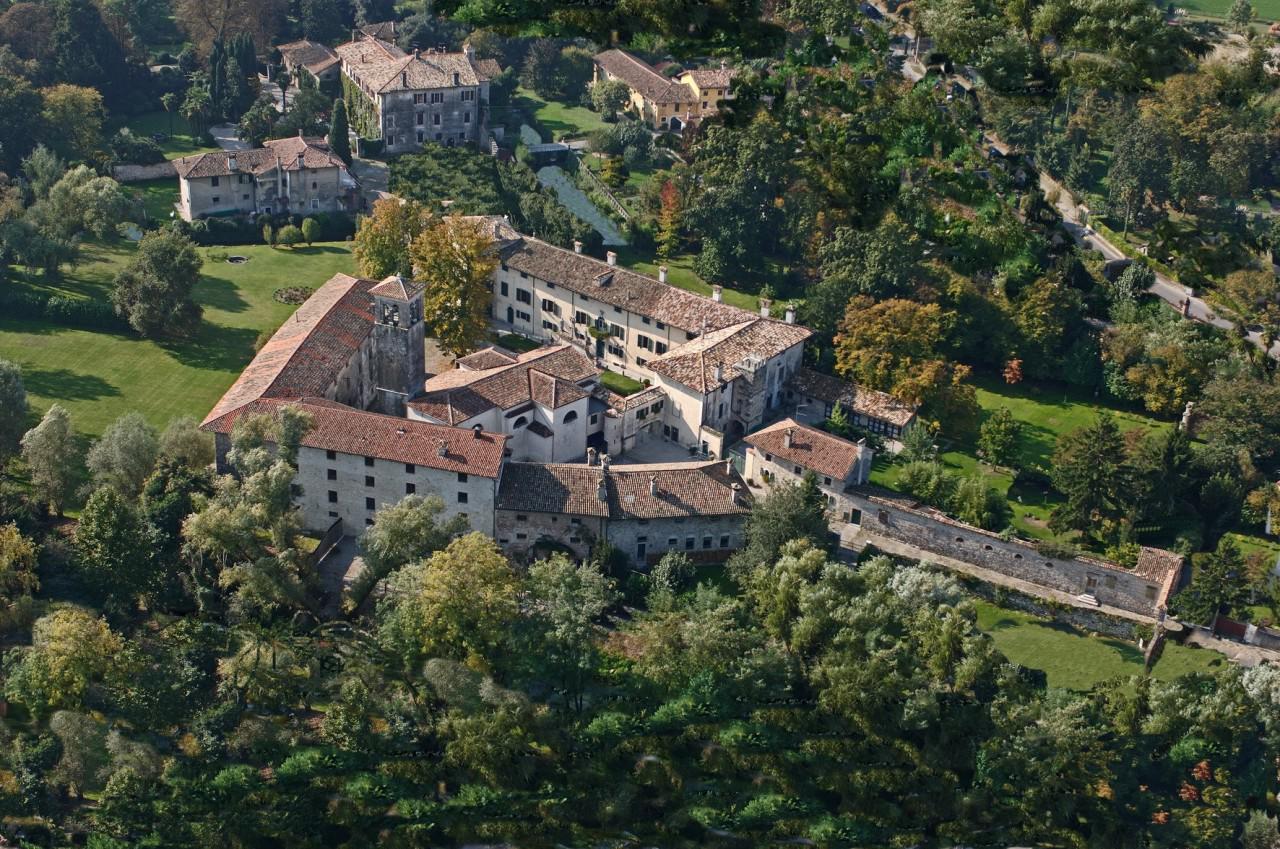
(224, 135)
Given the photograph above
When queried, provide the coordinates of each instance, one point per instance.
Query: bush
(58, 309)
(128, 149)
(289, 236)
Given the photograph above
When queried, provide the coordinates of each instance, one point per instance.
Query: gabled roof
(648, 491)
(641, 77)
(810, 448)
(351, 431)
(305, 355)
(488, 357)
(290, 154)
(711, 360)
(315, 57)
(546, 376)
(706, 78)
(382, 67)
(853, 398)
(398, 288)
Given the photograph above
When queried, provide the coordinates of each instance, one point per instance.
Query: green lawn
(157, 196)
(180, 141)
(98, 376)
(1047, 411)
(1075, 660)
(619, 383)
(1267, 10)
(680, 273)
(558, 119)
(518, 344)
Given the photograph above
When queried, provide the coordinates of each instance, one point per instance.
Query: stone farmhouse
(293, 175)
(310, 57)
(666, 103)
(816, 395)
(411, 99)
(786, 451)
(643, 511)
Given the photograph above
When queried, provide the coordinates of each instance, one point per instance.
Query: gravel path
(555, 178)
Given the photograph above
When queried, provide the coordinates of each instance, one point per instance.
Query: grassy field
(1075, 660)
(98, 376)
(619, 383)
(1267, 10)
(559, 119)
(157, 196)
(1046, 412)
(180, 142)
(680, 273)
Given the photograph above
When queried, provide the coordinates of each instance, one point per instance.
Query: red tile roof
(548, 376)
(810, 448)
(697, 363)
(306, 354)
(641, 77)
(490, 356)
(315, 155)
(853, 398)
(351, 431)
(315, 57)
(682, 490)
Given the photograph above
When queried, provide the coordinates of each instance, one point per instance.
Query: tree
(22, 107)
(86, 54)
(70, 650)
(153, 292)
(310, 230)
(18, 578)
(1240, 15)
(977, 503)
(1242, 414)
(1220, 585)
(113, 551)
(792, 512)
(124, 455)
(1091, 471)
(49, 451)
(998, 438)
(184, 443)
(542, 72)
(895, 346)
(258, 121)
(169, 100)
(43, 169)
(382, 240)
(566, 601)
(883, 263)
(13, 409)
(289, 236)
(84, 752)
(340, 132)
(81, 201)
(609, 97)
(455, 259)
(210, 22)
(78, 113)
(1257, 296)
(282, 79)
(406, 532)
(457, 604)
(670, 219)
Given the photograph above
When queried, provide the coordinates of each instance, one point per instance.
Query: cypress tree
(339, 140)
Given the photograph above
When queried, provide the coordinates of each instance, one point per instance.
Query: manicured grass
(99, 376)
(620, 383)
(1267, 10)
(157, 196)
(559, 119)
(1078, 661)
(680, 273)
(519, 344)
(181, 141)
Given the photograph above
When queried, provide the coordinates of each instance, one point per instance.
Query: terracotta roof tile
(491, 356)
(383, 67)
(548, 376)
(351, 431)
(810, 448)
(682, 490)
(397, 287)
(315, 57)
(711, 77)
(641, 77)
(853, 398)
(712, 359)
(315, 155)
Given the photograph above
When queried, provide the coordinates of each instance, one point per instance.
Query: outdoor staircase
(1089, 599)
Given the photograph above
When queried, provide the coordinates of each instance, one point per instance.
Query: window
(331, 455)
(333, 497)
(644, 319)
(571, 416)
(369, 504)
(368, 461)
(659, 348)
(333, 514)
(581, 317)
(422, 119)
(421, 136)
(524, 275)
(706, 542)
(391, 121)
(520, 422)
(419, 98)
(641, 361)
(550, 285)
(368, 480)
(617, 309)
(550, 306)
(469, 94)
(435, 119)
(522, 536)
(655, 407)
(466, 117)
(768, 458)
(524, 296)
(244, 197)
(644, 342)
(216, 199)
(439, 136)
(214, 181)
(620, 332)
(827, 481)
(549, 325)
(523, 316)
(368, 523)
(409, 468)
(331, 474)
(437, 97)
(462, 498)
(688, 543)
(595, 418)
(615, 351)
(315, 204)
(724, 541)
(522, 517)
(797, 470)
(672, 542)
(462, 477)
(503, 288)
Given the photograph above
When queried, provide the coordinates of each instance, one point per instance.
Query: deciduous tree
(998, 438)
(113, 550)
(382, 240)
(13, 409)
(454, 259)
(49, 451)
(124, 455)
(153, 293)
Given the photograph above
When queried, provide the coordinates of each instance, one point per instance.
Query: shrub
(310, 230)
(128, 149)
(58, 309)
(289, 236)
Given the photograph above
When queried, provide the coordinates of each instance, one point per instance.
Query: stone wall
(518, 533)
(1133, 590)
(137, 173)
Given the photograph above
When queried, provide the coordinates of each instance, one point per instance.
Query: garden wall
(138, 173)
(1145, 589)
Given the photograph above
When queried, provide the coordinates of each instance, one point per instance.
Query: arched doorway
(674, 124)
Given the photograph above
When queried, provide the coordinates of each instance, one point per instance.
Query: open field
(559, 119)
(98, 376)
(157, 196)
(680, 273)
(180, 141)
(1075, 660)
(1267, 10)
(1047, 412)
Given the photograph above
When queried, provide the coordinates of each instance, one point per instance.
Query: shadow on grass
(309, 250)
(220, 294)
(67, 385)
(214, 348)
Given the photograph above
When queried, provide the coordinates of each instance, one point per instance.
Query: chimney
(653, 485)
(611, 257)
(468, 50)
(718, 372)
(417, 54)
(476, 431)
(442, 450)
(577, 246)
(300, 158)
(791, 314)
(728, 467)
(764, 307)
(662, 274)
(401, 431)
(604, 462)
(404, 79)
(734, 489)
(786, 437)
(602, 489)
(231, 161)
(717, 292)
(592, 456)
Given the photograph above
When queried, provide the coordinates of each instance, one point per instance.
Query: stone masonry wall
(1110, 584)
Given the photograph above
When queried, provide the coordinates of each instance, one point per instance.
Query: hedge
(247, 230)
(58, 309)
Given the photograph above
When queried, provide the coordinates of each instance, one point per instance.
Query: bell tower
(398, 359)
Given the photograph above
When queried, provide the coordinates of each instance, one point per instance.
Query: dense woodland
(174, 674)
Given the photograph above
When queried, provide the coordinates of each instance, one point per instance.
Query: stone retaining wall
(138, 173)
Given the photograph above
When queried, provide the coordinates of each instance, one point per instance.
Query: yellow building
(661, 102)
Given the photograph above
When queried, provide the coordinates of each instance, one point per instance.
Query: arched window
(571, 416)
(520, 422)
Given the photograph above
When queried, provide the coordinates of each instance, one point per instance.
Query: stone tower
(397, 361)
